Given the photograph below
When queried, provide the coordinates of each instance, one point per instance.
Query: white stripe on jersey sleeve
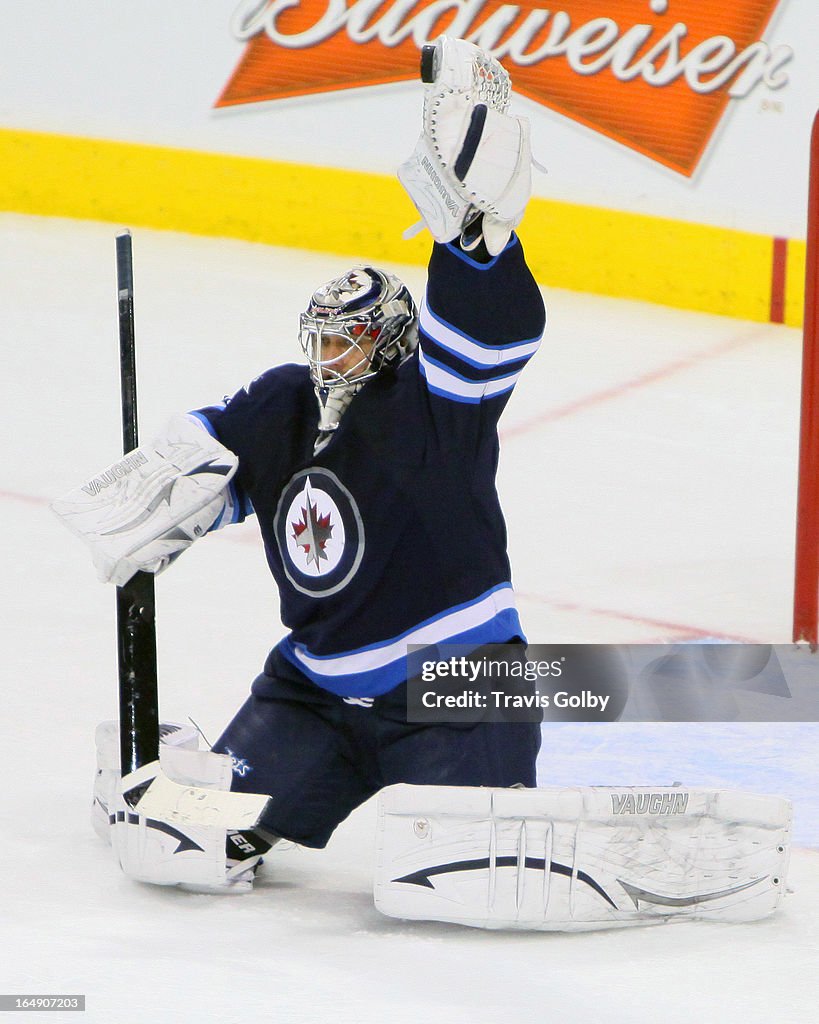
(475, 353)
(445, 381)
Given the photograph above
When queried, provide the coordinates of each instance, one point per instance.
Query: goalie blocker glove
(470, 173)
(142, 512)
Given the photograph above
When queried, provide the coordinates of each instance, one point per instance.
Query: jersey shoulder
(289, 378)
(281, 387)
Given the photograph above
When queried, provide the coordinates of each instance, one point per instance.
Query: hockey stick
(136, 630)
(149, 790)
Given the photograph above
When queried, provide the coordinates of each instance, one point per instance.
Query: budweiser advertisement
(654, 75)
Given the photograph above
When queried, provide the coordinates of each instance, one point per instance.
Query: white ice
(648, 476)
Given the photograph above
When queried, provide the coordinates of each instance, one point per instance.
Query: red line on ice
(29, 499)
(617, 390)
(674, 627)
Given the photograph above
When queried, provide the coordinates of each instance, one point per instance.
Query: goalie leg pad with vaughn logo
(579, 859)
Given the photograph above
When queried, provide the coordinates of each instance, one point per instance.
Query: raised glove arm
(143, 511)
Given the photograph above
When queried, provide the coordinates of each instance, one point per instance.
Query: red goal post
(806, 588)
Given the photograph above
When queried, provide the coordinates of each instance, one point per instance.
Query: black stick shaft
(136, 609)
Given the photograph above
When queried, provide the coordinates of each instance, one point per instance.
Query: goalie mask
(355, 325)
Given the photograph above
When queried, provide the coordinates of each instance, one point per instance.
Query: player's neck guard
(332, 404)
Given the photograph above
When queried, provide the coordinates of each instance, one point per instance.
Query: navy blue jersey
(393, 533)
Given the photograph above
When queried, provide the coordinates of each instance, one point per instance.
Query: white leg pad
(579, 859)
(176, 833)
(151, 849)
(107, 775)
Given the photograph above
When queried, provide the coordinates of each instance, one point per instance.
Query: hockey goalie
(352, 463)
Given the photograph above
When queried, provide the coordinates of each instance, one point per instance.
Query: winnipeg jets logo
(313, 531)
(356, 285)
(319, 532)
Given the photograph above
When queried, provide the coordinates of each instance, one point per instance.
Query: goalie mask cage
(806, 588)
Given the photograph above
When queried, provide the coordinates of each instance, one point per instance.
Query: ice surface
(648, 473)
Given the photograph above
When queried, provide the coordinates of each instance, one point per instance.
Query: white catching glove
(143, 511)
(472, 158)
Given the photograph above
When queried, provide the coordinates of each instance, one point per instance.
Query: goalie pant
(318, 756)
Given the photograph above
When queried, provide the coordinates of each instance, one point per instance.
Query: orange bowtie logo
(655, 75)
